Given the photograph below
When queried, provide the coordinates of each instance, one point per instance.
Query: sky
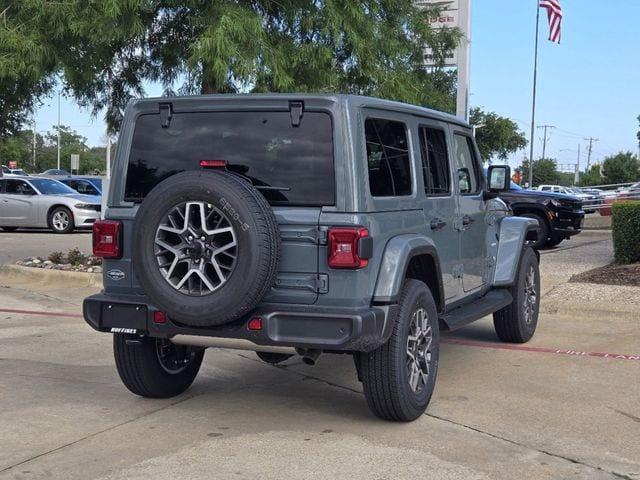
(588, 86)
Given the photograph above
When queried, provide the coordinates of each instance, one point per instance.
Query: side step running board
(491, 302)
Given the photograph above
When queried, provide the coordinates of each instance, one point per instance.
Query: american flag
(554, 12)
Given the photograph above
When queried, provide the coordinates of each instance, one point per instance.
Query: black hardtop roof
(352, 100)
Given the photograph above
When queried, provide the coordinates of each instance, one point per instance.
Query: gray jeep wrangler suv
(303, 224)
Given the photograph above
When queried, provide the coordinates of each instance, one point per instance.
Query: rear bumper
(308, 326)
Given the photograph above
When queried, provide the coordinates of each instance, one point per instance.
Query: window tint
(289, 165)
(435, 161)
(466, 169)
(18, 187)
(388, 158)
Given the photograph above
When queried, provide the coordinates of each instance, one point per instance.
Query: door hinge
(322, 283)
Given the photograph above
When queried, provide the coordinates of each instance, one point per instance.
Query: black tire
(273, 358)
(385, 371)
(143, 373)
(9, 229)
(511, 322)
(256, 235)
(57, 227)
(543, 232)
(553, 242)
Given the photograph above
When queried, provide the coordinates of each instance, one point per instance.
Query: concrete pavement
(522, 413)
(30, 243)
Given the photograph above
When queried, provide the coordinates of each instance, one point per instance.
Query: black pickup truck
(560, 216)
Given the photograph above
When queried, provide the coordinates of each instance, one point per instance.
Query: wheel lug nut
(202, 238)
(189, 238)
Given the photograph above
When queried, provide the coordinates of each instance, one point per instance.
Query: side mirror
(498, 178)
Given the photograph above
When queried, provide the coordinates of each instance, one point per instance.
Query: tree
(496, 136)
(545, 171)
(71, 142)
(621, 168)
(106, 51)
(592, 177)
(26, 67)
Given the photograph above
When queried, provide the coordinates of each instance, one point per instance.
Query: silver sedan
(46, 203)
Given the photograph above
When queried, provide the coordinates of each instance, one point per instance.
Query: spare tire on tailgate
(206, 247)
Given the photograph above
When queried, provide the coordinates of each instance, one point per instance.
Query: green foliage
(57, 257)
(106, 51)
(19, 147)
(496, 136)
(26, 66)
(592, 177)
(621, 168)
(545, 171)
(626, 231)
(75, 257)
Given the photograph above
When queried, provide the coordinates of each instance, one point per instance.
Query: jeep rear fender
(511, 240)
(397, 256)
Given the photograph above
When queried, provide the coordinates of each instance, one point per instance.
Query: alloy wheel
(60, 220)
(419, 345)
(530, 295)
(196, 248)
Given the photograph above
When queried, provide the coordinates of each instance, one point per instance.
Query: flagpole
(533, 106)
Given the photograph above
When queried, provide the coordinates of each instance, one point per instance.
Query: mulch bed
(612, 274)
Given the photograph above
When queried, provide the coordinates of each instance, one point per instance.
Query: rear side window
(466, 167)
(388, 158)
(289, 165)
(435, 161)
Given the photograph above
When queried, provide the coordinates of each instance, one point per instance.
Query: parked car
(56, 172)
(12, 172)
(559, 216)
(45, 203)
(300, 225)
(84, 185)
(590, 201)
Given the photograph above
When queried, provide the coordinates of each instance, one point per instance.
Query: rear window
(289, 165)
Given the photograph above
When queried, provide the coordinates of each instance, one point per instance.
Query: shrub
(76, 257)
(57, 257)
(626, 231)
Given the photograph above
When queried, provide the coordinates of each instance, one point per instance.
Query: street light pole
(58, 129)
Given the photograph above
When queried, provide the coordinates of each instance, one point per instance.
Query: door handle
(467, 220)
(437, 224)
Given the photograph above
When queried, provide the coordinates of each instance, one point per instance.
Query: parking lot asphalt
(31, 243)
(563, 406)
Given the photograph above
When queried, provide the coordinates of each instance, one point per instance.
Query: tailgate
(298, 280)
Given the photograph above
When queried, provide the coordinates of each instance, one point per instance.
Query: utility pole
(577, 178)
(58, 129)
(590, 140)
(544, 142)
(34, 144)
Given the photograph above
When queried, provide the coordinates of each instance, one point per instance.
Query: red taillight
(213, 163)
(159, 317)
(255, 323)
(346, 245)
(106, 238)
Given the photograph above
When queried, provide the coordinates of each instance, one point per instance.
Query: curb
(44, 277)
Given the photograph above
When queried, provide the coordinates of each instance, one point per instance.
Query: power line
(544, 142)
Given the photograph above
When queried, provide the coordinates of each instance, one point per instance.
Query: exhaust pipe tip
(310, 356)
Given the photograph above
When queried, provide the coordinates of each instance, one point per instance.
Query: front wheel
(517, 322)
(61, 220)
(155, 367)
(543, 230)
(399, 377)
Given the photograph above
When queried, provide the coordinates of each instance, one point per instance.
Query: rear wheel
(399, 377)
(61, 220)
(155, 367)
(517, 322)
(554, 242)
(543, 232)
